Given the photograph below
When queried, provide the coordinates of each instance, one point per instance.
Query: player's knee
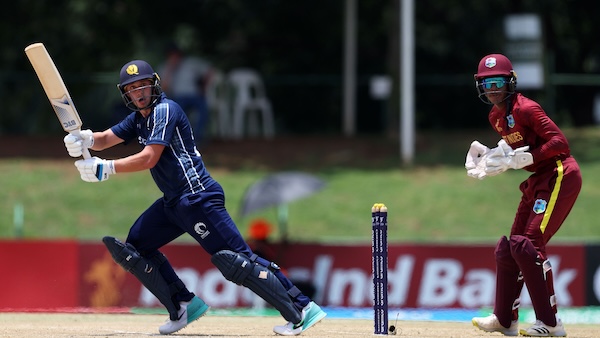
(504, 258)
(234, 266)
(124, 254)
(502, 251)
(520, 245)
(523, 250)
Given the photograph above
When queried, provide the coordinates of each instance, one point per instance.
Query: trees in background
(297, 46)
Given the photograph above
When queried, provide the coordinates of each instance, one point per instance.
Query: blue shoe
(188, 312)
(312, 314)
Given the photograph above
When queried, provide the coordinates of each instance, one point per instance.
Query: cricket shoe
(491, 324)
(539, 329)
(311, 315)
(188, 312)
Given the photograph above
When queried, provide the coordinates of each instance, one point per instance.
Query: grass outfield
(433, 201)
(425, 204)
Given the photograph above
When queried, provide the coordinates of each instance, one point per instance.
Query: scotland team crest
(540, 206)
(511, 120)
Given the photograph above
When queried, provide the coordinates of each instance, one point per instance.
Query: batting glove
(475, 161)
(95, 169)
(75, 143)
(504, 157)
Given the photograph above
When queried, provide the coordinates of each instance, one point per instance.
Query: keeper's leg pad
(508, 287)
(240, 269)
(517, 302)
(537, 274)
(146, 271)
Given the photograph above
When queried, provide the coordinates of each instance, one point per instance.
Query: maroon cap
(494, 65)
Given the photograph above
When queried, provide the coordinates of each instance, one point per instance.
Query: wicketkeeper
(530, 141)
(192, 202)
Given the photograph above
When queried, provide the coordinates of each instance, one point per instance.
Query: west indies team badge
(539, 206)
(511, 120)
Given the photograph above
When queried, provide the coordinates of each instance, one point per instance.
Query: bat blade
(66, 113)
(55, 89)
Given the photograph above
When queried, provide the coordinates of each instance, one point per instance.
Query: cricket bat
(55, 89)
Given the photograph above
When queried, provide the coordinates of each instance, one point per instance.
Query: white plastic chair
(218, 104)
(249, 97)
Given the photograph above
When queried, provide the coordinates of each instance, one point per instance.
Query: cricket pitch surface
(50, 325)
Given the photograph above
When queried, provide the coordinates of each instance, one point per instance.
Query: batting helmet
(134, 71)
(495, 65)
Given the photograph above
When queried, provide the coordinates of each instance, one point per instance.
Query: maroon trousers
(547, 198)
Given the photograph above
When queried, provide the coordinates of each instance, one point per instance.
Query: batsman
(533, 142)
(192, 202)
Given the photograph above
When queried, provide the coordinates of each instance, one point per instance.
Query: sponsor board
(593, 274)
(419, 276)
(39, 273)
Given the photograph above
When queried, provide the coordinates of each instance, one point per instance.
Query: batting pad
(145, 270)
(238, 268)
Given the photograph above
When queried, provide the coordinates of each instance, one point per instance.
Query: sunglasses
(498, 81)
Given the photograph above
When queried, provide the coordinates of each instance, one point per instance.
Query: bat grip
(85, 151)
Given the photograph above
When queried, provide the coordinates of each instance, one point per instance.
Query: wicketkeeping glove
(475, 161)
(504, 157)
(76, 143)
(95, 169)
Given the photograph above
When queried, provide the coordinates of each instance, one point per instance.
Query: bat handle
(85, 151)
